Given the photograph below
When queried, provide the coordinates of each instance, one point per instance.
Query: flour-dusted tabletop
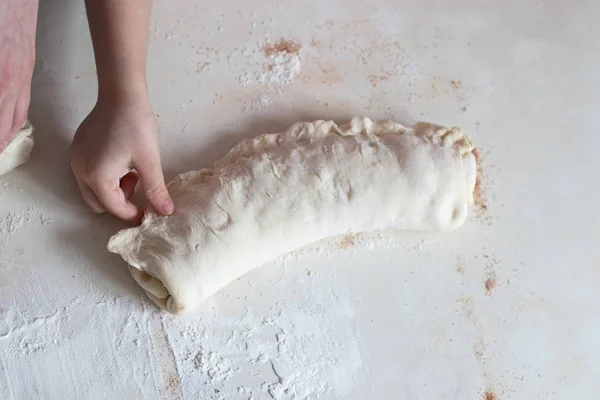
(504, 308)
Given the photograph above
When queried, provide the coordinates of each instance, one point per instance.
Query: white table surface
(393, 316)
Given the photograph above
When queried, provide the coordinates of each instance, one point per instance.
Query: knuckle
(155, 192)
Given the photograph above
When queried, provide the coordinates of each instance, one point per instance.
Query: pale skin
(17, 54)
(117, 144)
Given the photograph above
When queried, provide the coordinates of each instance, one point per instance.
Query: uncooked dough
(18, 150)
(278, 192)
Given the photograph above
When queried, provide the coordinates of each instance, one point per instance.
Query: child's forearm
(119, 30)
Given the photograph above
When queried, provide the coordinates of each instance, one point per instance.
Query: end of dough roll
(18, 150)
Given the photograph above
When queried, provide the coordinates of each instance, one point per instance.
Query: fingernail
(168, 207)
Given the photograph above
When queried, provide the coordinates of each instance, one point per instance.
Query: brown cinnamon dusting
(479, 196)
(490, 284)
(490, 396)
(455, 84)
(491, 263)
(202, 66)
(347, 241)
(377, 79)
(174, 382)
(289, 46)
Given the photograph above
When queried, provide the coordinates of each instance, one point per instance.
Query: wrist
(131, 93)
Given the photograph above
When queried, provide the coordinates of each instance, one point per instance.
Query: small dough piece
(278, 192)
(18, 150)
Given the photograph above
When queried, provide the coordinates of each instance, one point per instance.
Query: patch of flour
(278, 66)
(258, 105)
(111, 333)
(302, 349)
(281, 69)
(11, 186)
(212, 365)
(351, 242)
(11, 222)
(424, 246)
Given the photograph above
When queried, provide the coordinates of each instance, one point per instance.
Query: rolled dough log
(278, 192)
(18, 150)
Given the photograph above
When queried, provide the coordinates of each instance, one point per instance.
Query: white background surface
(395, 316)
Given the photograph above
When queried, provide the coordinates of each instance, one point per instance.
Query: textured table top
(504, 308)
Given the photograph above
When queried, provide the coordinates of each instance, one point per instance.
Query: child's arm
(17, 54)
(121, 132)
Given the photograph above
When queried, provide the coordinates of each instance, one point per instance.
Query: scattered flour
(280, 70)
(105, 332)
(424, 246)
(215, 367)
(276, 67)
(44, 220)
(353, 242)
(11, 186)
(12, 222)
(258, 105)
(302, 349)
(304, 346)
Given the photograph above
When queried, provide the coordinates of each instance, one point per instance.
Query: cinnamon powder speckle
(174, 382)
(490, 284)
(289, 46)
(490, 396)
(479, 195)
(347, 241)
(377, 79)
(315, 43)
(202, 66)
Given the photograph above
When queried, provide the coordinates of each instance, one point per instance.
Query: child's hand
(119, 135)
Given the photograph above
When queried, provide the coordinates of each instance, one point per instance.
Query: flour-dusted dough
(18, 150)
(277, 192)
